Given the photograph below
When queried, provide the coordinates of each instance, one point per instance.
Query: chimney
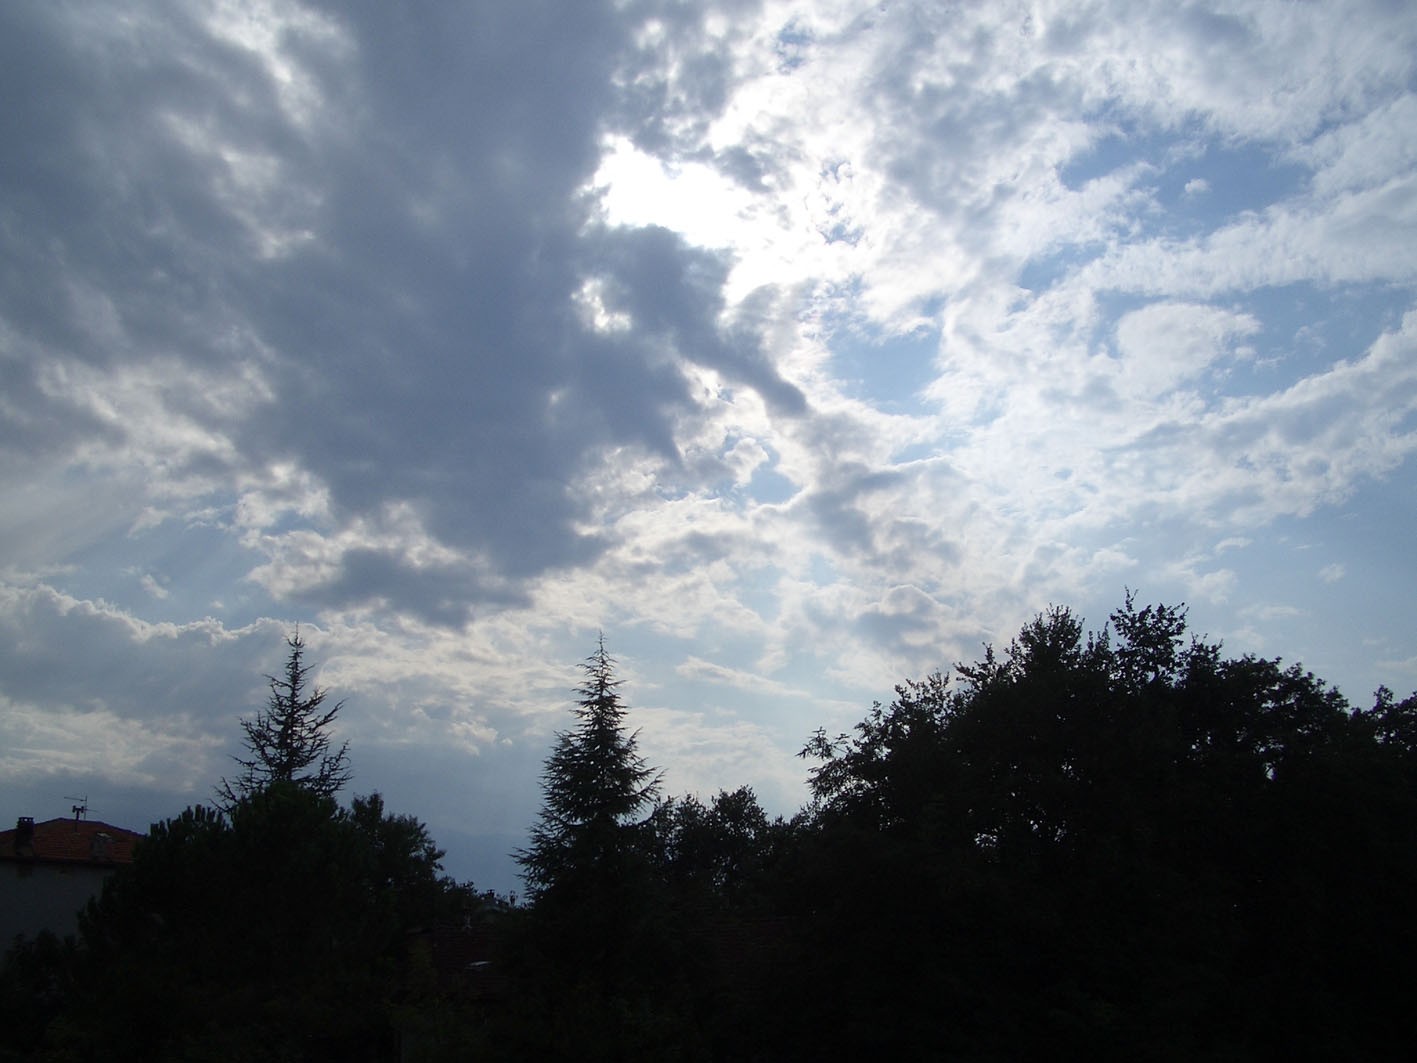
(24, 836)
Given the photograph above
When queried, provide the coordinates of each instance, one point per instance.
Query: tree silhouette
(1118, 845)
(279, 931)
(595, 782)
(591, 953)
(288, 740)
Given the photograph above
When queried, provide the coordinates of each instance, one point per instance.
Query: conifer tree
(595, 782)
(288, 740)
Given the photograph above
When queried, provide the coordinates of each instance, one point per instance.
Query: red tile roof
(70, 841)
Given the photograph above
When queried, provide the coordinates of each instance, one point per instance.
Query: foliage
(719, 855)
(275, 928)
(36, 982)
(1117, 845)
(592, 948)
(288, 740)
(276, 931)
(594, 784)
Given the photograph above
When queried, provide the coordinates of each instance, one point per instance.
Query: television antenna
(81, 809)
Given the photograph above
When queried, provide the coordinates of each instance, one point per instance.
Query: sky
(799, 348)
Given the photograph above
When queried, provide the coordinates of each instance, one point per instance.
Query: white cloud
(1267, 613)
(1165, 344)
(1332, 573)
(96, 744)
(153, 587)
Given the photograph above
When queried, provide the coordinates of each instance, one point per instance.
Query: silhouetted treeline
(1120, 845)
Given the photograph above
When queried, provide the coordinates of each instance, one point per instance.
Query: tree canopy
(594, 784)
(1114, 845)
(275, 928)
(1119, 845)
(275, 931)
(289, 740)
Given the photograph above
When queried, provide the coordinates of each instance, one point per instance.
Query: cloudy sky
(801, 347)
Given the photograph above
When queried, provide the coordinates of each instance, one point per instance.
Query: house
(49, 870)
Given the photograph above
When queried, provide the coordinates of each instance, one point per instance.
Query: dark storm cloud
(676, 76)
(437, 594)
(430, 355)
(674, 291)
(394, 255)
(91, 241)
(836, 507)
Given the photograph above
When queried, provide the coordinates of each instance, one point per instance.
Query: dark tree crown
(288, 740)
(595, 782)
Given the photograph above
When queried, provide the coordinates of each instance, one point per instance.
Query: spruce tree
(595, 783)
(288, 740)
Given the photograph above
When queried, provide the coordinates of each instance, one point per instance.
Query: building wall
(35, 897)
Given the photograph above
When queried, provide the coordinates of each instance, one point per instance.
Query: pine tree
(595, 782)
(288, 740)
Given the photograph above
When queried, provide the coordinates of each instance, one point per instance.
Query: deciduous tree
(1135, 848)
